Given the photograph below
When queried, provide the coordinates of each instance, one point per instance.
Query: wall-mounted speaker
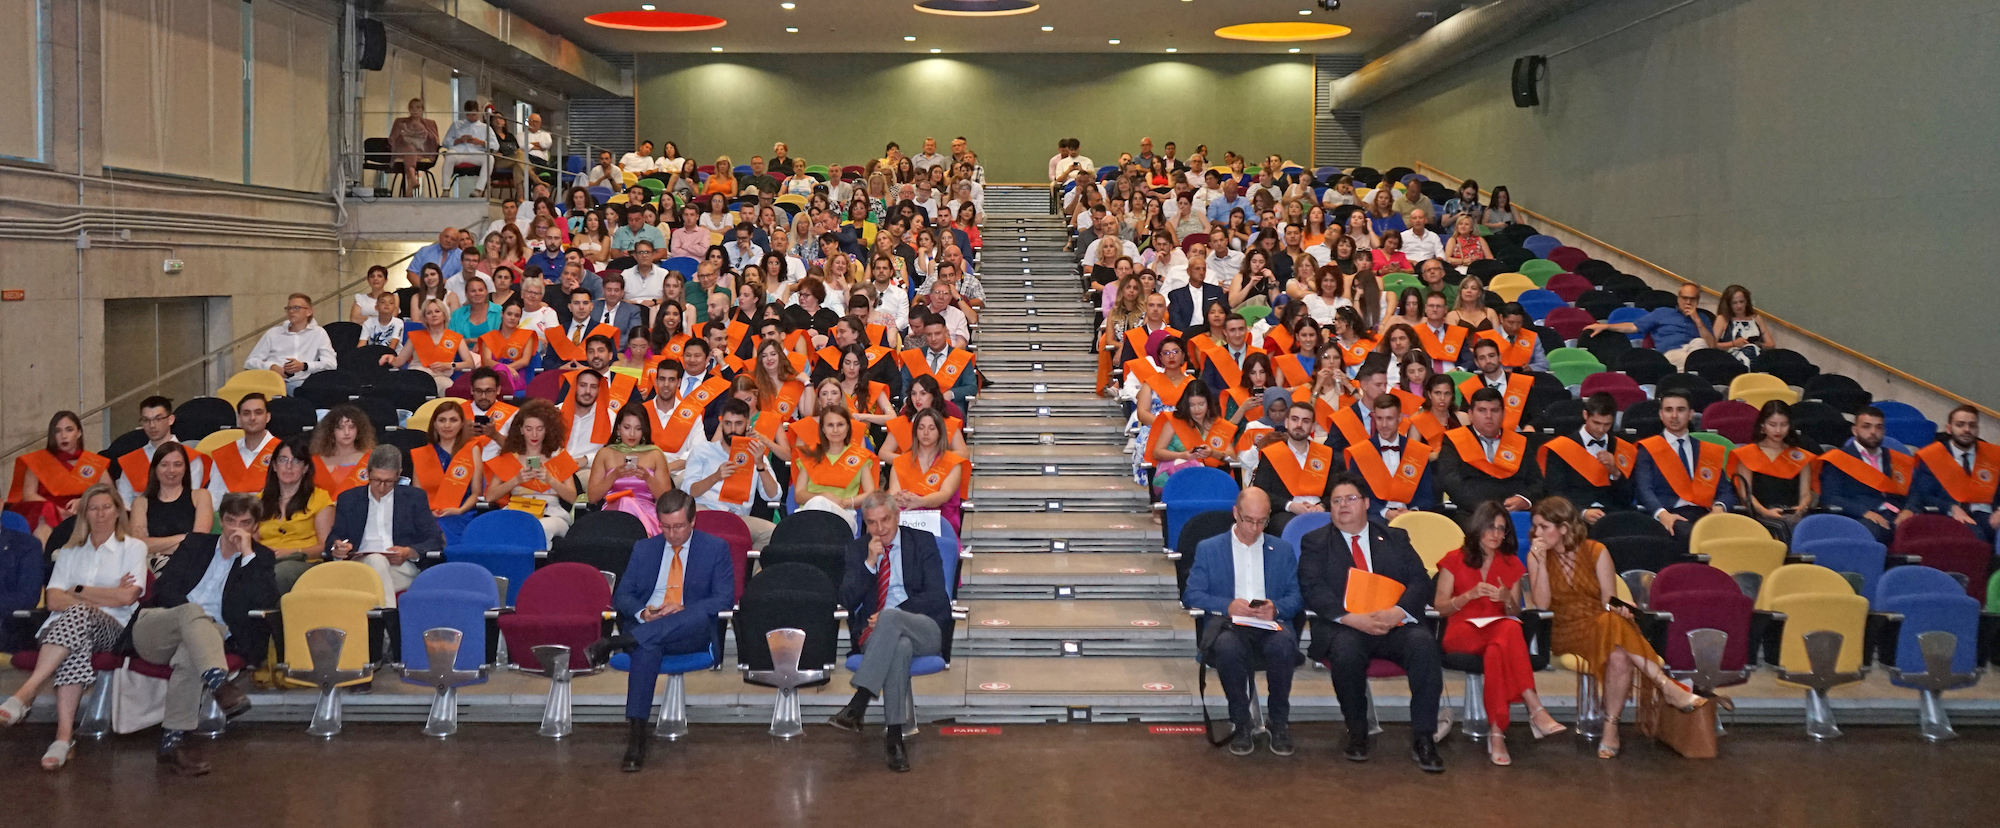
(1528, 72)
(371, 44)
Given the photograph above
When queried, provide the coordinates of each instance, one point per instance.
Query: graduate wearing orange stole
(48, 481)
(840, 477)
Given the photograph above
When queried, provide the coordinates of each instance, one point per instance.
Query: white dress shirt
(649, 285)
(379, 533)
(1249, 560)
(580, 447)
(704, 457)
(1419, 248)
(637, 164)
(310, 346)
(207, 594)
(1347, 542)
(660, 584)
(88, 565)
(537, 143)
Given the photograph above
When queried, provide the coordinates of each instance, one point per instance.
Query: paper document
(926, 519)
(1482, 622)
(1259, 623)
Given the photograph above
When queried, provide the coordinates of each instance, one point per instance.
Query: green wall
(1837, 157)
(1012, 108)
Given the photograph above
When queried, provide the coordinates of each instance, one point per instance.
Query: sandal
(12, 712)
(57, 755)
(1496, 750)
(1535, 727)
(1605, 751)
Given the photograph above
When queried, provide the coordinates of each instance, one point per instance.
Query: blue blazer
(1838, 488)
(1424, 500)
(1650, 487)
(1211, 583)
(707, 585)
(412, 525)
(1927, 493)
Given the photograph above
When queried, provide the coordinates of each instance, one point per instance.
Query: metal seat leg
(441, 653)
(324, 644)
(212, 722)
(1476, 725)
(1374, 723)
(787, 644)
(1590, 714)
(1257, 724)
(1706, 645)
(673, 722)
(1937, 647)
(93, 719)
(1823, 653)
(555, 709)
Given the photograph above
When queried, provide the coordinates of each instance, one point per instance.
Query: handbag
(531, 505)
(137, 701)
(1690, 733)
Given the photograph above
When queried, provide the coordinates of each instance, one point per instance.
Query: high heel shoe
(1496, 750)
(1673, 692)
(1554, 727)
(1605, 751)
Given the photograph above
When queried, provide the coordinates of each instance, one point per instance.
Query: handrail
(1762, 314)
(335, 295)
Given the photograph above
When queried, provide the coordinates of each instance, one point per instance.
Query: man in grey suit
(613, 310)
(1247, 573)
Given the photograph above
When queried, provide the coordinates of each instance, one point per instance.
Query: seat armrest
(754, 554)
(1893, 560)
(1797, 558)
(1196, 612)
(433, 555)
(1538, 627)
(1653, 625)
(1767, 630)
(1880, 637)
(840, 615)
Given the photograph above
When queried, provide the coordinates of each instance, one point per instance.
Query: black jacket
(1468, 486)
(923, 580)
(1324, 561)
(251, 586)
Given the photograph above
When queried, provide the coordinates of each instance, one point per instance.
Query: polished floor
(1101, 776)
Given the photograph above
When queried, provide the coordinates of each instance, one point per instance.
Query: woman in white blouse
(92, 593)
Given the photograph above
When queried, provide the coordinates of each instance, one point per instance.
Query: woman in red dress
(1478, 593)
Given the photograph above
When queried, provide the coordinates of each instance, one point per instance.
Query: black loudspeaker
(371, 44)
(1528, 73)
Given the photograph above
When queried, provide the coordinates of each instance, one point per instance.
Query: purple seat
(1569, 286)
(1569, 323)
(1621, 388)
(734, 532)
(561, 603)
(1734, 419)
(1568, 257)
(1701, 596)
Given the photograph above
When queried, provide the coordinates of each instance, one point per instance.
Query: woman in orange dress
(1479, 592)
(1572, 575)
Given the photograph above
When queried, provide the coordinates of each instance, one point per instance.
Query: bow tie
(1597, 444)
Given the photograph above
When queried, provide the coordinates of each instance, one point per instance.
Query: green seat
(1562, 355)
(1572, 373)
(1252, 313)
(1993, 593)
(1483, 230)
(1397, 282)
(653, 185)
(1253, 170)
(1458, 377)
(1540, 271)
(1712, 437)
(818, 171)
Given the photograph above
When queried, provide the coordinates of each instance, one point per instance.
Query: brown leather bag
(1689, 733)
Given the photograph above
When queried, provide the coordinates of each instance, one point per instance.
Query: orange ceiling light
(656, 21)
(1285, 32)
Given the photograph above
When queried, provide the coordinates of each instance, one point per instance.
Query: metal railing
(561, 145)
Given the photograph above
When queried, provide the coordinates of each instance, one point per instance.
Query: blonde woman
(723, 181)
(1472, 311)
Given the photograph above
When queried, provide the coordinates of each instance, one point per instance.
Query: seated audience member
(838, 469)
(1155, 384)
(937, 356)
(1865, 479)
(470, 142)
(200, 615)
(1465, 246)
(1481, 581)
(1186, 301)
(1353, 423)
(727, 476)
(478, 316)
(296, 348)
(170, 507)
(586, 415)
(382, 326)
(450, 469)
(1572, 575)
(1772, 474)
(1444, 342)
(1591, 469)
(1396, 467)
(1437, 411)
(1520, 346)
(1676, 331)
(1346, 638)
(385, 524)
(897, 609)
(630, 472)
(1491, 372)
(487, 417)
(1295, 471)
(1248, 573)
(668, 598)
(613, 310)
(1483, 461)
(930, 476)
(923, 395)
(1469, 307)
(340, 445)
(434, 348)
(47, 481)
(1957, 476)
(1738, 328)
(245, 465)
(532, 466)
(156, 421)
(1419, 243)
(1224, 365)
(1678, 479)
(99, 576)
(568, 347)
(294, 517)
(414, 139)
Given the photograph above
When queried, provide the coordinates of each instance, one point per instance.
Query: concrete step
(1050, 404)
(1058, 493)
(1049, 575)
(1051, 461)
(1044, 381)
(1061, 532)
(1085, 628)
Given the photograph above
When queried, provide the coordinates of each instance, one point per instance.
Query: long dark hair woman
(1479, 594)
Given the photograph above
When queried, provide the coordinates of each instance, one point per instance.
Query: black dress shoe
(899, 756)
(599, 651)
(1281, 739)
(180, 756)
(1424, 750)
(1357, 744)
(847, 719)
(636, 741)
(1243, 741)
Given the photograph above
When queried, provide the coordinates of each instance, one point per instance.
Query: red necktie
(881, 597)
(1360, 558)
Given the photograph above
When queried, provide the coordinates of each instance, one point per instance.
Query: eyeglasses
(156, 418)
(298, 307)
(1347, 500)
(1249, 521)
(287, 461)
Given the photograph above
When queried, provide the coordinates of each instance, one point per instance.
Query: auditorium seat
(1732, 419)
(291, 416)
(1645, 367)
(257, 379)
(1649, 553)
(1568, 323)
(1607, 346)
(1508, 286)
(810, 537)
(1624, 315)
(341, 595)
(1700, 392)
(546, 385)
(1623, 389)
(1841, 392)
(787, 596)
(1626, 287)
(1757, 389)
(1560, 417)
(1191, 491)
(199, 417)
(1700, 596)
(1433, 535)
(1199, 528)
(1599, 304)
(1864, 558)
(1486, 269)
(567, 604)
(1538, 303)
(1929, 601)
(1642, 419)
(1820, 424)
(1655, 299)
(420, 419)
(1573, 372)
(734, 532)
(1541, 245)
(1540, 271)
(1569, 286)
(1963, 557)
(454, 596)
(1296, 529)
(1790, 366)
(1914, 432)
(381, 413)
(1568, 257)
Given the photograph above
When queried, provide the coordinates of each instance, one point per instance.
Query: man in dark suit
(1346, 641)
(1676, 478)
(613, 310)
(673, 588)
(1271, 596)
(1591, 468)
(1867, 480)
(1960, 476)
(1482, 461)
(386, 525)
(1188, 305)
(897, 610)
(1397, 468)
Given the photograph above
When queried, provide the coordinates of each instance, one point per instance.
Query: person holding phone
(1247, 573)
(386, 525)
(1479, 589)
(630, 472)
(1771, 474)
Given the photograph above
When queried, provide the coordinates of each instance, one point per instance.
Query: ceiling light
(646, 7)
(788, 6)
(791, 30)
(909, 38)
(976, 8)
(1048, 28)
(1280, 32)
(715, 48)
(1113, 41)
(656, 21)
(1305, 11)
(935, 51)
(1293, 50)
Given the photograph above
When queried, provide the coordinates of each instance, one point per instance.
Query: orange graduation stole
(1578, 457)
(1221, 435)
(1895, 482)
(924, 482)
(737, 487)
(1506, 458)
(1277, 341)
(1291, 370)
(236, 475)
(446, 485)
(1352, 355)
(671, 431)
(431, 349)
(572, 351)
(1166, 389)
(835, 472)
(336, 480)
(672, 349)
(1427, 425)
(1397, 485)
(509, 348)
(560, 467)
(1786, 466)
(136, 468)
(1302, 481)
(499, 415)
(1350, 424)
(1445, 350)
(957, 361)
(805, 433)
(1979, 486)
(1411, 402)
(786, 402)
(1514, 399)
(1136, 338)
(1709, 464)
(1516, 352)
(59, 479)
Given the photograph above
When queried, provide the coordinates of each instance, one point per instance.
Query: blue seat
(1327, 174)
(1295, 531)
(1106, 171)
(1930, 601)
(450, 595)
(684, 265)
(672, 665)
(506, 527)
(1915, 432)
(573, 167)
(515, 563)
(1861, 556)
(1541, 245)
(1892, 409)
(741, 169)
(1539, 302)
(1628, 315)
(599, 194)
(1523, 523)
(1190, 492)
(1829, 526)
(15, 522)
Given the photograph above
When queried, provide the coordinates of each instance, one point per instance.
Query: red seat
(1568, 323)
(26, 660)
(1925, 526)
(163, 671)
(1384, 668)
(1734, 419)
(562, 603)
(1622, 389)
(1964, 555)
(546, 385)
(1701, 596)
(1568, 257)
(732, 531)
(1569, 286)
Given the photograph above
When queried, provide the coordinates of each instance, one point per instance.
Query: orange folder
(1369, 592)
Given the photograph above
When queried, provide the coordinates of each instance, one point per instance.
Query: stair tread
(1065, 484)
(1060, 525)
(1021, 567)
(1045, 397)
(1160, 680)
(1116, 424)
(1153, 616)
(980, 452)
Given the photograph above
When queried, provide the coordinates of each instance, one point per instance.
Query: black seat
(1486, 269)
(609, 554)
(1821, 423)
(410, 440)
(1700, 392)
(1714, 365)
(811, 537)
(1395, 175)
(1838, 390)
(327, 389)
(1643, 366)
(1198, 528)
(785, 595)
(1595, 270)
(202, 416)
(1518, 232)
(1626, 524)
(1599, 304)
(407, 390)
(1651, 553)
(1545, 391)
(1365, 176)
(344, 335)
(362, 359)
(291, 415)
(1514, 257)
(1642, 418)
(1607, 346)
(1653, 300)
(1626, 287)
(1560, 417)
(381, 413)
(609, 525)
(1787, 365)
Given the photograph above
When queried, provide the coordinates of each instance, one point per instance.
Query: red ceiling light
(656, 21)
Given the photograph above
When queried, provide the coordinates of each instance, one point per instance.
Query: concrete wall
(1837, 157)
(842, 109)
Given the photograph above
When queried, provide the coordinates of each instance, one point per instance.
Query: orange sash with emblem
(1427, 426)
(836, 472)
(1352, 355)
(927, 482)
(786, 402)
(957, 361)
(1220, 437)
(1506, 458)
(670, 432)
(238, 477)
(560, 467)
(672, 349)
(1411, 402)
(508, 348)
(62, 481)
(1397, 485)
(1977, 487)
(1291, 370)
(1514, 353)
(1786, 466)
(499, 415)
(1579, 458)
(1446, 350)
(431, 349)
(1710, 463)
(136, 468)
(446, 485)
(737, 487)
(339, 479)
(569, 351)
(1136, 338)
(1277, 341)
(1514, 399)
(1302, 481)
(1350, 424)
(1895, 482)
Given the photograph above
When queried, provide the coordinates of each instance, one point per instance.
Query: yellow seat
(336, 594)
(1733, 555)
(259, 380)
(420, 420)
(793, 199)
(1757, 389)
(1816, 611)
(631, 178)
(1434, 535)
(1718, 526)
(1510, 286)
(217, 440)
(616, 199)
(1801, 579)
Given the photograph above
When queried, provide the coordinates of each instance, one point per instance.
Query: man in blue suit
(1677, 478)
(1245, 572)
(897, 609)
(1865, 479)
(675, 585)
(1397, 468)
(386, 525)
